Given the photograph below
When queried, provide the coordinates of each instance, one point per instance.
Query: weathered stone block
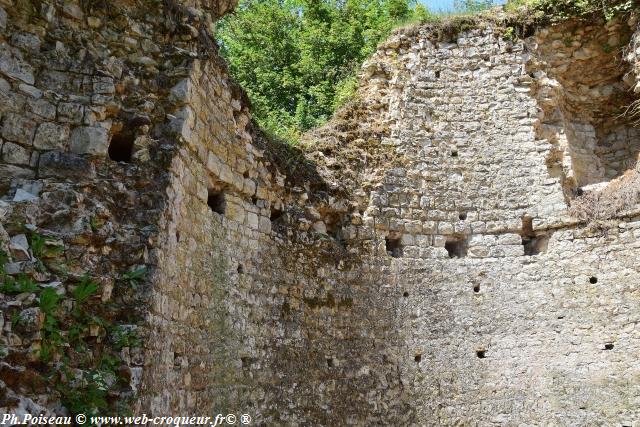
(55, 163)
(89, 140)
(26, 41)
(70, 112)
(3, 19)
(51, 136)
(10, 172)
(14, 67)
(104, 86)
(18, 128)
(252, 220)
(15, 154)
(181, 92)
(43, 108)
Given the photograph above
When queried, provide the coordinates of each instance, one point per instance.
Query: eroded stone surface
(421, 269)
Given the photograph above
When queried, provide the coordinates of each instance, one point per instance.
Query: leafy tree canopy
(297, 58)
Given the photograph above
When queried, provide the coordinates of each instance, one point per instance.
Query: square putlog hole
(393, 246)
(216, 201)
(456, 246)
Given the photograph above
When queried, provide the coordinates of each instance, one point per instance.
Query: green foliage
(19, 285)
(124, 337)
(4, 258)
(51, 334)
(89, 397)
(134, 277)
(41, 249)
(297, 58)
(556, 10)
(84, 290)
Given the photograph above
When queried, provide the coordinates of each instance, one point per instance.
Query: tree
(297, 58)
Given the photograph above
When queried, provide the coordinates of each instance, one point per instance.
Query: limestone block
(15, 154)
(42, 108)
(235, 212)
(226, 174)
(55, 163)
(10, 172)
(407, 240)
(264, 225)
(249, 187)
(103, 86)
(252, 220)
(26, 41)
(181, 93)
(18, 128)
(439, 241)
(182, 123)
(445, 228)
(32, 91)
(14, 67)
(3, 19)
(51, 136)
(478, 252)
(89, 140)
(509, 239)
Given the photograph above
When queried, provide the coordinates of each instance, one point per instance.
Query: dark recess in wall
(216, 202)
(456, 246)
(393, 246)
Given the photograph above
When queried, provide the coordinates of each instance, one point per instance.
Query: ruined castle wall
(439, 281)
(510, 312)
(246, 317)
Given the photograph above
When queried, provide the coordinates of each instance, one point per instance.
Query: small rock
(319, 227)
(57, 286)
(146, 61)
(94, 22)
(13, 268)
(32, 91)
(19, 247)
(3, 19)
(30, 320)
(23, 196)
(72, 10)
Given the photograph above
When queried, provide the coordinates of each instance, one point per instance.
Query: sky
(446, 5)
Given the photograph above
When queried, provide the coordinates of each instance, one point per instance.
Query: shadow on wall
(581, 86)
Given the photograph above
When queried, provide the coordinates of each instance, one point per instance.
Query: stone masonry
(424, 266)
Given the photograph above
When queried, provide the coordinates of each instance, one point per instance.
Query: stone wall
(421, 266)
